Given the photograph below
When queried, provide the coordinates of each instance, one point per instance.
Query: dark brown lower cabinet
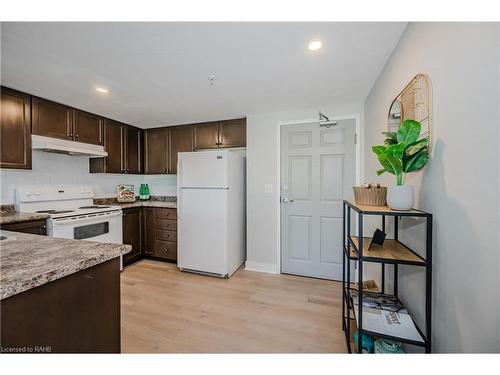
(32, 227)
(132, 233)
(79, 313)
(152, 232)
(149, 230)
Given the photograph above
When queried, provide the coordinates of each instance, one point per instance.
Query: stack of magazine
(385, 315)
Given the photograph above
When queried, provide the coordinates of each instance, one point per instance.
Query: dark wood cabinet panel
(233, 133)
(32, 227)
(132, 233)
(79, 313)
(166, 235)
(15, 129)
(51, 119)
(149, 230)
(206, 135)
(114, 144)
(133, 150)
(166, 250)
(88, 128)
(156, 151)
(166, 224)
(166, 213)
(181, 140)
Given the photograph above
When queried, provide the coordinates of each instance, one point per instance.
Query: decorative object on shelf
(126, 193)
(414, 103)
(378, 238)
(385, 346)
(144, 192)
(370, 194)
(402, 152)
(367, 344)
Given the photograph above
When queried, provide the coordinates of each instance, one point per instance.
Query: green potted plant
(402, 153)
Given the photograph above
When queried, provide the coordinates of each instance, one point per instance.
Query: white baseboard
(261, 267)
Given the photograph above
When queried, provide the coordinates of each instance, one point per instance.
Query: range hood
(62, 146)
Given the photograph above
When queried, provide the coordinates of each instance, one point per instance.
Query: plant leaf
(409, 131)
(390, 138)
(395, 150)
(416, 161)
(391, 164)
(378, 149)
(415, 147)
(380, 172)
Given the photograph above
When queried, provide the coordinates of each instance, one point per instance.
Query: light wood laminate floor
(168, 311)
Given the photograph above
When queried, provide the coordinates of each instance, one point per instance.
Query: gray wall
(460, 185)
(262, 169)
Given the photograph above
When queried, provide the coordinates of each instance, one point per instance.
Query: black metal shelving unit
(393, 253)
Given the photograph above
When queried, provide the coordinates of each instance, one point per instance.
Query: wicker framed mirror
(414, 103)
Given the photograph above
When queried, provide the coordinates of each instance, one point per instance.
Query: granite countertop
(155, 201)
(148, 204)
(28, 260)
(17, 217)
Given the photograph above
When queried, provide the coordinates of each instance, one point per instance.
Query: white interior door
(317, 173)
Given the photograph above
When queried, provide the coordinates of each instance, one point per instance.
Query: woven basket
(372, 196)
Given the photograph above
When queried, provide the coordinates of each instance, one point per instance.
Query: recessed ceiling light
(102, 90)
(315, 45)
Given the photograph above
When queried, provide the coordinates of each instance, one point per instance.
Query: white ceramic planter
(401, 198)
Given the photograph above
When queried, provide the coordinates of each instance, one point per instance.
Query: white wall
(50, 168)
(460, 185)
(262, 169)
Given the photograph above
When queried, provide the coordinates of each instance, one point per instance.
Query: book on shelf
(385, 315)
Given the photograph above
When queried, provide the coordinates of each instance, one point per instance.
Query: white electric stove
(71, 212)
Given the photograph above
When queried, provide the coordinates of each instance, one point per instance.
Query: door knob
(286, 200)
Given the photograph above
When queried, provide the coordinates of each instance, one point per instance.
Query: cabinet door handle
(77, 136)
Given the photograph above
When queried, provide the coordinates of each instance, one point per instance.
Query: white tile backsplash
(52, 169)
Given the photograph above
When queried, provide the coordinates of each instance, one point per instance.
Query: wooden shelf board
(390, 250)
(383, 209)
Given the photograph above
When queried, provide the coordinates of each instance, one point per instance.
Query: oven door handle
(68, 221)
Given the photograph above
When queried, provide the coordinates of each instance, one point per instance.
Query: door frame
(359, 147)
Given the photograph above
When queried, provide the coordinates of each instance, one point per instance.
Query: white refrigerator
(211, 212)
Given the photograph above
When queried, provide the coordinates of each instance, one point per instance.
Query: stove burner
(54, 211)
(95, 207)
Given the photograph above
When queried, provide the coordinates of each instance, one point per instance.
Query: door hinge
(355, 138)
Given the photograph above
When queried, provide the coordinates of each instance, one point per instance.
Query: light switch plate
(268, 188)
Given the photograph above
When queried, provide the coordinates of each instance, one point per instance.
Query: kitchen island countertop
(28, 261)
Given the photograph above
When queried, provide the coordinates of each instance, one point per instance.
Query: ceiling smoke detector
(211, 80)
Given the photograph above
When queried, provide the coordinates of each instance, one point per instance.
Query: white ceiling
(157, 73)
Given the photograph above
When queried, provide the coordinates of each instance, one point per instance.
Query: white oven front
(99, 227)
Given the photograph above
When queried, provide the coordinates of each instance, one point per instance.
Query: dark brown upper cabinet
(156, 151)
(15, 129)
(223, 134)
(52, 119)
(88, 128)
(124, 145)
(114, 137)
(233, 133)
(206, 135)
(133, 150)
(181, 140)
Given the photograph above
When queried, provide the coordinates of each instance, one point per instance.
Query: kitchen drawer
(166, 213)
(166, 224)
(166, 249)
(166, 235)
